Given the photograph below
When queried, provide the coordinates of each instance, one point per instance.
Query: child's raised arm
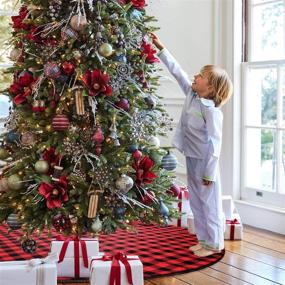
(172, 65)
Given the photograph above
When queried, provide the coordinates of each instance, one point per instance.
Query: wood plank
(261, 241)
(260, 269)
(268, 251)
(241, 274)
(167, 281)
(223, 276)
(199, 278)
(254, 253)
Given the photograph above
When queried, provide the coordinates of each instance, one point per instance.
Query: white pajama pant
(206, 204)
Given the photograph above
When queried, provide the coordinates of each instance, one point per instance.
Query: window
(7, 9)
(263, 171)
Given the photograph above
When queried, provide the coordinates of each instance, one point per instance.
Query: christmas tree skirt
(163, 250)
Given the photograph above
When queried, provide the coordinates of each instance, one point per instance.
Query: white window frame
(247, 193)
(7, 13)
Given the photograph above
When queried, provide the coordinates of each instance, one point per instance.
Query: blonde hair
(220, 81)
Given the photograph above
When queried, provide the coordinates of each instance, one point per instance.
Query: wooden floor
(258, 259)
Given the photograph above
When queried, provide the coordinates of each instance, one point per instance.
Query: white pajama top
(199, 131)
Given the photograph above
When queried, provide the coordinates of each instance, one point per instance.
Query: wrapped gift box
(74, 256)
(190, 224)
(183, 207)
(101, 270)
(67, 268)
(20, 273)
(228, 207)
(92, 246)
(234, 229)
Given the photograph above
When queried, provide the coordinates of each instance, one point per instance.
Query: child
(198, 136)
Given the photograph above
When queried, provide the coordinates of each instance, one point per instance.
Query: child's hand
(207, 182)
(156, 41)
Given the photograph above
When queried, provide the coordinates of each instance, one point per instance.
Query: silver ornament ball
(124, 183)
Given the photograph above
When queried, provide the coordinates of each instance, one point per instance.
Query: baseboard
(261, 216)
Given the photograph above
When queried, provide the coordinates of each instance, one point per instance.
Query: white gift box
(190, 224)
(92, 245)
(234, 228)
(228, 206)
(184, 208)
(20, 273)
(68, 267)
(100, 271)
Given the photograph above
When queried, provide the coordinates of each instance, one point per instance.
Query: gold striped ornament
(93, 203)
(79, 102)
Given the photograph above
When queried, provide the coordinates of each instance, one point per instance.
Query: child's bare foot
(203, 252)
(196, 247)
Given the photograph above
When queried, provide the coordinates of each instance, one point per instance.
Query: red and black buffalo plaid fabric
(163, 250)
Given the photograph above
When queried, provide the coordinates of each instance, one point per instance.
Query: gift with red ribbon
(116, 269)
(234, 230)
(184, 209)
(73, 255)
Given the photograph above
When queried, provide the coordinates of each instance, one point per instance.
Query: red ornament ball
(137, 155)
(123, 104)
(60, 123)
(67, 68)
(174, 190)
(148, 198)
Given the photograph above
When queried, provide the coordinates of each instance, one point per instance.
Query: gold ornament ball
(42, 166)
(105, 50)
(3, 153)
(48, 128)
(14, 182)
(15, 54)
(4, 185)
(78, 23)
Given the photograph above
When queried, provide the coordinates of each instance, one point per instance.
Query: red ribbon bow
(232, 223)
(115, 274)
(76, 242)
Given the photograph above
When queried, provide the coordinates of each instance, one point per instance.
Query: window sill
(262, 206)
(262, 216)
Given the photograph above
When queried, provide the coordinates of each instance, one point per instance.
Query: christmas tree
(81, 148)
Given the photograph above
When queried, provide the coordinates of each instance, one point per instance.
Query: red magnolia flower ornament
(55, 194)
(51, 156)
(138, 4)
(148, 52)
(18, 20)
(143, 173)
(97, 83)
(22, 87)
